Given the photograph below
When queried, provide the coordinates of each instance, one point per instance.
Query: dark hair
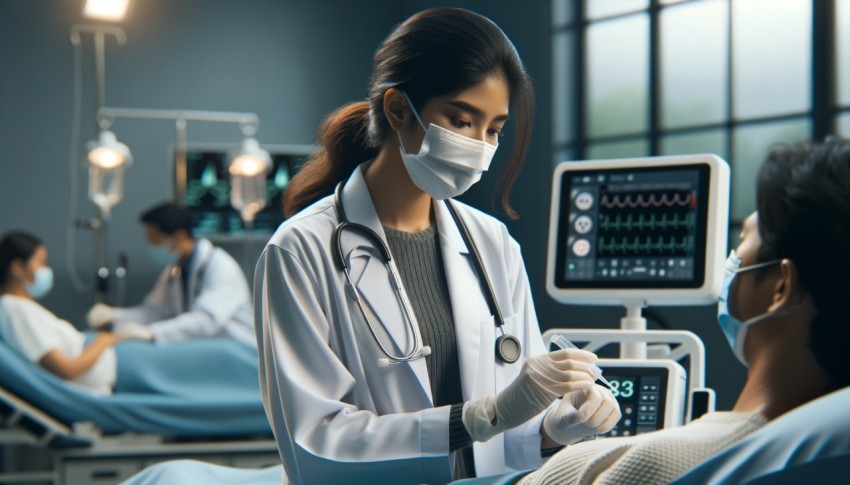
(803, 197)
(16, 245)
(437, 52)
(168, 218)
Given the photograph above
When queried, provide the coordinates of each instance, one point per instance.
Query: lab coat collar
(359, 209)
(358, 203)
(373, 284)
(200, 261)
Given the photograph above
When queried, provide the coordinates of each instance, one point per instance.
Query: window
(731, 77)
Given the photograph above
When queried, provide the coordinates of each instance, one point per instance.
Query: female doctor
(397, 335)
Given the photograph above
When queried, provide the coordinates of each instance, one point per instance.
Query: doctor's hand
(133, 331)
(582, 413)
(541, 380)
(101, 315)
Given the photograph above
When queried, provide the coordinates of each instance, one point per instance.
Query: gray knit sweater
(420, 265)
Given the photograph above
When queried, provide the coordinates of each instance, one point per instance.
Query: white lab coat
(338, 417)
(219, 301)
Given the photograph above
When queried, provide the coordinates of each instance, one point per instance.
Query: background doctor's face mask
(448, 163)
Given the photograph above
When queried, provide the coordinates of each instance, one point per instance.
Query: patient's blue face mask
(734, 329)
(42, 284)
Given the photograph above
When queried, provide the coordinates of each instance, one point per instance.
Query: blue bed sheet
(191, 472)
(197, 389)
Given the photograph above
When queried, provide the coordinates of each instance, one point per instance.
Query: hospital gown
(34, 331)
(650, 458)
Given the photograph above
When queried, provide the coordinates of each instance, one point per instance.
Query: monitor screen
(641, 394)
(646, 230)
(206, 191)
(633, 228)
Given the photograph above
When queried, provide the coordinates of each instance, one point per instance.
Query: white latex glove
(582, 413)
(133, 331)
(541, 380)
(101, 315)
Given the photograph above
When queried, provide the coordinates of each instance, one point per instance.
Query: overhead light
(112, 10)
(108, 158)
(250, 160)
(107, 152)
(248, 168)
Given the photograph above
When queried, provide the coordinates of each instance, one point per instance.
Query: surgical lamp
(108, 158)
(248, 167)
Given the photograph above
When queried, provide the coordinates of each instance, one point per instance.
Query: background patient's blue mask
(42, 284)
(734, 329)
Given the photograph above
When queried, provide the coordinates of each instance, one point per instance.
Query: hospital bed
(53, 432)
(810, 444)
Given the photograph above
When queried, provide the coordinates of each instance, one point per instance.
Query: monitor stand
(633, 321)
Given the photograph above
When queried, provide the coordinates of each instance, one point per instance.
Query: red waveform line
(610, 202)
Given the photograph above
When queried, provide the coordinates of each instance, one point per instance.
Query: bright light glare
(106, 9)
(108, 153)
(247, 166)
(106, 157)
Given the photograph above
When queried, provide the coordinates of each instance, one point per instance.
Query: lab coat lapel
(203, 253)
(374, 282)
(468, 305)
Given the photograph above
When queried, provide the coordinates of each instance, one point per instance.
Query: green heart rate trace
(646, 246)
(652, 222)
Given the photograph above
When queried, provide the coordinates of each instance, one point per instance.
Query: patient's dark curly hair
(803, 198)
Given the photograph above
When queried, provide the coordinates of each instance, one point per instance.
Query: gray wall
(290, 61)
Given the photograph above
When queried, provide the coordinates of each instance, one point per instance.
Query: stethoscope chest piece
(508, 348)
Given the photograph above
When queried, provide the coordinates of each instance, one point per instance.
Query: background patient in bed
(786, 321)
(38, 334)
(95, 361)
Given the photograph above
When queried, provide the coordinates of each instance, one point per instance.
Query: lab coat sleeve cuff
(435, 442)
(522, 444)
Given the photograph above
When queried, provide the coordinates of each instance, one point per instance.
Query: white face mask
(448, 163)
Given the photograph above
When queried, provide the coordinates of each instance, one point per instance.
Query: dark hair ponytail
(343, 144)
(16, 245)
(437, 52)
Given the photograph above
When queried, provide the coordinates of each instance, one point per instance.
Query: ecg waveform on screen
(644, 246)
(651, 222)
(633, 201)
(647, 223)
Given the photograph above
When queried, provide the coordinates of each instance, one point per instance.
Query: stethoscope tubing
(417, 351)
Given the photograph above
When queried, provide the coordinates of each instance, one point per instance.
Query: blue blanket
(196, 389)
(190, 472)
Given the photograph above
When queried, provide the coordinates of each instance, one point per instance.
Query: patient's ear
(788, 291)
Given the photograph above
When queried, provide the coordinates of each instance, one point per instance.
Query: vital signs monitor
(642, 229)
(202, 185)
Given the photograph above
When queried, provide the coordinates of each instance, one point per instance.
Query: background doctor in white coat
(443, 85)
(202, 292)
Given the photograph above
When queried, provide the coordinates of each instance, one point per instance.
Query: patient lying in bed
(189, 389)
(38, 334)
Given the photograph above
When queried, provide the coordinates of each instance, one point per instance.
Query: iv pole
(249, 124)
(98, 223)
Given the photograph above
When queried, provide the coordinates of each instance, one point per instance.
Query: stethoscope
(508, 347)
